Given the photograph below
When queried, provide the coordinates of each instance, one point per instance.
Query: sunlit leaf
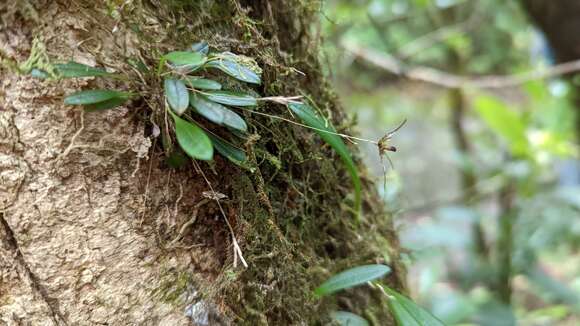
(185, 58)
(505, 122)
(345, 318)
(94, 96)
(235, 70)
(352, 277)
(217, 113)
(192, 139)
(201, 47)
(177, 95)
(105, 105)
(407, 313)
(231, 98)
(202, 83)
(326, 132)
(75, 69)
(232, 153)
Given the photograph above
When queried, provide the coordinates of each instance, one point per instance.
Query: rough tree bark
(89, 210)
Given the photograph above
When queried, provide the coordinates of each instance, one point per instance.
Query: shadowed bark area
(93, 219)
(559, 21)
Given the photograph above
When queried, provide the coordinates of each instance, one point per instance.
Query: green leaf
(74, 69)
(345, 318)
(407, 313)
(506, 123)
(326, 130)
(177, 95)
(94, 96)
(217, 113)
(232, 153)
(231, 98)
(184, 58)
(235, 70)
(105, 105)
(201, 47)
(192, 139)
(202, 83)
(352, 277)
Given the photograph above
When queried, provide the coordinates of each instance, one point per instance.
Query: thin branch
(439, 35)
(448, 80)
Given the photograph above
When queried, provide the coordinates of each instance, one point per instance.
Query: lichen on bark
(95, 225)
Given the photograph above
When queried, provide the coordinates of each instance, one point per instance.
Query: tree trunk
(89, 211)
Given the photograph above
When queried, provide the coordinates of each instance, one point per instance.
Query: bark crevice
(10, 244)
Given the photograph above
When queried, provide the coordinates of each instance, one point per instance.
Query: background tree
(485, 186)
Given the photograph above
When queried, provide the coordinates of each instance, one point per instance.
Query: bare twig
(237, 249)
(448, 80)
(190, 222)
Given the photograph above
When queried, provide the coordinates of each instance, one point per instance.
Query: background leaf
(352, 277)
(504, 121)
(310, 118)
(217, 113)
(235, 70)
(94, 96)
(192, 139)
(231, 98)
(177, 95)
(345, 318)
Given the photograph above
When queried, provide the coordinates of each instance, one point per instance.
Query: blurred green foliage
(521, 153)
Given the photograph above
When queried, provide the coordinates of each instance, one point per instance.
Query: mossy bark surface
(90, 210)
